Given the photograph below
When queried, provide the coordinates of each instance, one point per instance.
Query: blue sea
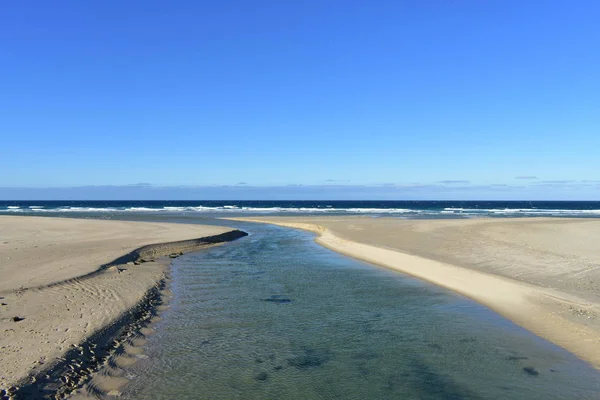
(400, 209)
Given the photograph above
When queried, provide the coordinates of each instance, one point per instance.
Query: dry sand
(37, 251)
(541, 273)
(42, 261)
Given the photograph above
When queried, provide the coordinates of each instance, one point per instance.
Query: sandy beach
(541, 273)
(55, 293)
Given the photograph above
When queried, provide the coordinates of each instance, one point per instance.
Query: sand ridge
(41, 324)
(539, 273)
(37, 251)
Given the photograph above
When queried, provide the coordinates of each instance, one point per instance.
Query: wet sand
(67, 280)
(541, 273)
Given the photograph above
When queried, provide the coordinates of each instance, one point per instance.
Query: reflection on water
(275, 316)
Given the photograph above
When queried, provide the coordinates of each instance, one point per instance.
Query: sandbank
(69, 280)
(541, 273)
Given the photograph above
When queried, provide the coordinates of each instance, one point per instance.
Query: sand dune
(543, 274)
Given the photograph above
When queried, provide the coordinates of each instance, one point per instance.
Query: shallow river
(275, 316)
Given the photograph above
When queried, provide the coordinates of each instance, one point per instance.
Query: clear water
(275, 316)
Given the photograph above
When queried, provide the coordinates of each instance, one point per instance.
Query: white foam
(381, 210)
(458, 211)
(523, 211)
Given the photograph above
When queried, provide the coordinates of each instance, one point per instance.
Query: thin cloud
(242, 183)
(558, 182)
(526, 177)
(454, 182)
(303, 192)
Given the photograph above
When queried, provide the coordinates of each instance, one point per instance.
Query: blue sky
(363, 99)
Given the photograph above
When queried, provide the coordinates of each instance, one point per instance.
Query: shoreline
(76, 369)
(541, 310)
(71, 329)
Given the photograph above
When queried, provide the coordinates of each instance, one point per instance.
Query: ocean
(400, 209)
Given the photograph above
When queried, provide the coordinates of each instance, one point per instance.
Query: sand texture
(541, 273)
(61, 298)
(37, 251)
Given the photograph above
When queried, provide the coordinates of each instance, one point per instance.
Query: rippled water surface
(275, 316)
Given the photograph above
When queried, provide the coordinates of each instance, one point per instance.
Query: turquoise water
(275, 316)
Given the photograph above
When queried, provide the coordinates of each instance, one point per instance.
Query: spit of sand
(541, 273)
(54, 293)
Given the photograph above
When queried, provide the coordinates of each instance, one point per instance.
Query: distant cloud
(562, 184)
(242, 183)
(443, 190)
(558, 182)
(337, 180)
(456, 182)
(526, 177)
(141, 184)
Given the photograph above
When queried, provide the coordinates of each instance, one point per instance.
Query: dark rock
(4, 304)
(310, 359)
(277, 299)
(262, 376)
(10, 391)
(531, 371)
(17, 319)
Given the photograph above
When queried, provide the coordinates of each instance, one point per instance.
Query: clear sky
(454, 98)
